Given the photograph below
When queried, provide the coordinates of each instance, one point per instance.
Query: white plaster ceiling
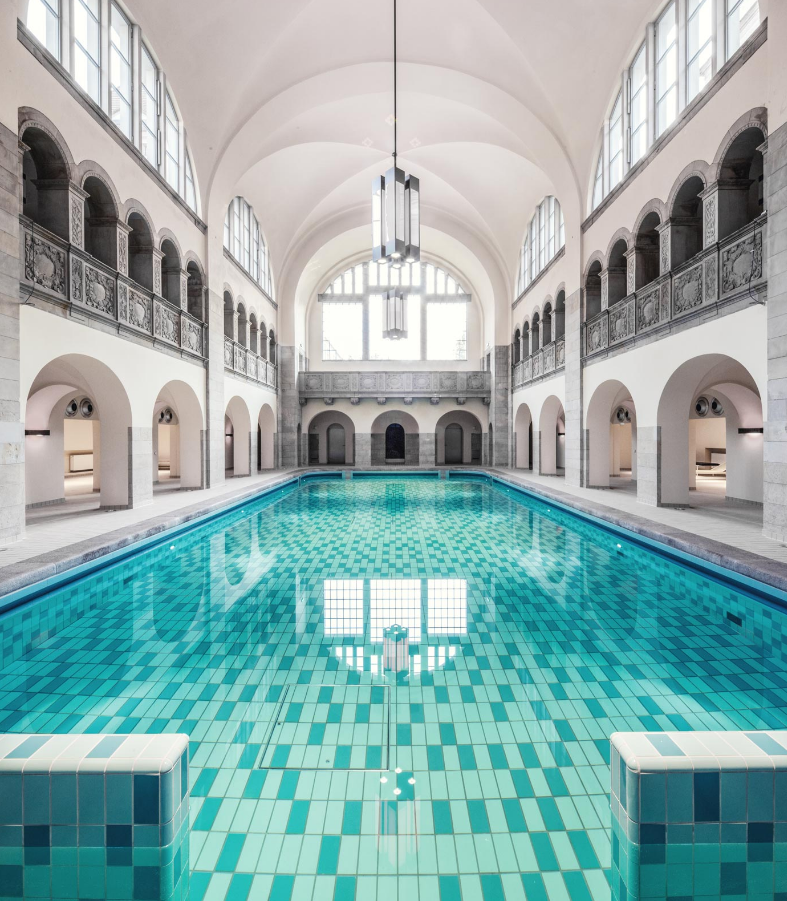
(289, 103)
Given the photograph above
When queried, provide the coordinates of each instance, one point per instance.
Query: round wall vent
(72, 408)
(86, 408)
(166, 416)
(622, 415)
(701, 406)
(717, 407)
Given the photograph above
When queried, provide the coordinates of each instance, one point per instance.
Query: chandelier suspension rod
(394, 69)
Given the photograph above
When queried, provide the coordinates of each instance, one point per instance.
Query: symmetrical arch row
(79, 204)
(707, 204)
(394, 437)
(545, 325)
(243, 324)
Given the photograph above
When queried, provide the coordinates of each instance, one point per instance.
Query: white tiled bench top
(655, 752)
(152, 754)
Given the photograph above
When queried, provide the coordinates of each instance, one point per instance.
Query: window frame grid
(78, 47)
(127, 60)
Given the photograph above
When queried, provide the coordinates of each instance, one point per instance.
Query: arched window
(196, 291)
(45, 174)
(560, 315)
(674, 72)
(686, 215)
(100, 222)
(243, 326)
(526, 340)
(647, 241)
(127, 75)
(616, 273)
(546, 326)
(272, 347)
(140, 251)
(352, 305)
(593, 291)
(741, 175)
(545, 237)
(229, 316)
(170, 272)
(517, 347)
(244, 242)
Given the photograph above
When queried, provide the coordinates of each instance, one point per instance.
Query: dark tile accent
(147, 883)
(706, 798)
(146, 799)
(652, 834)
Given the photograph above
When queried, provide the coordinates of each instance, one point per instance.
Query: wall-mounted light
(36, 433)
(750, 431)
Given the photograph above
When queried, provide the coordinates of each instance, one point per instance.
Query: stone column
(12, 448)
(140, 466)
(574, 446)
(289, 416)
(426, 449)
(158, 256)
(665, 246)
(649, 465)
(604, 289)
(122, 233)
(500, 406)
(775, 438)
(631, 269)
(363, 450)
(214, 465)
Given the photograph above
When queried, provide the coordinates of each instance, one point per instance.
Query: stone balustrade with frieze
(543, 363)
(246, 363)
(406, 384)
(63, 274)
(717, 276)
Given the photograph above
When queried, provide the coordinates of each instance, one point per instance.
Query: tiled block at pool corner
(94, 817)
(699, 815)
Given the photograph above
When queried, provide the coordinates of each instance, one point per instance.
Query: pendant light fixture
(395, 314)
(396, 203)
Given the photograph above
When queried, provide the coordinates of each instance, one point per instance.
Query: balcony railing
(245, 362)
(717, 275)
(62, 273)
(406, 385)
(544, 362)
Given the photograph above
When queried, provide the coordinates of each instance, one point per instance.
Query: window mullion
(720, 34)
(103, 68)
(683, 41)
(66, 33)
(136, 85)
(650, 39)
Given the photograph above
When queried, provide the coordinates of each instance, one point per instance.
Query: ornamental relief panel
(184, 290)
(139, 310)
(76, 279)
(368, 382)
(341, 382)
(710, 279)
(448, 381)
(741, 263)
(549, 358)
(123, 253)
(45, 265)
(619, 316)
(191, 336)
(77, 222)
(475, 381)
(394, 381)
(99, 291)
(664, 238)
(710, 221)
(536, 364)
(314, 382)
(687, 291)
(228, 353)
(422, 381)
(165, 323)
(122, 302)
(631, 264)
(560, 353)
(157, 277)
(596, 335)
(648, 310)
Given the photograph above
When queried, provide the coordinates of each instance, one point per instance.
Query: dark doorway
(454, 438)
(336, 444)
(530, 446)
(314, 449)
(259, 449)
(475, 447)
(394, 443)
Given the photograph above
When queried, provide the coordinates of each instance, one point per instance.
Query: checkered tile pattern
(549, 635)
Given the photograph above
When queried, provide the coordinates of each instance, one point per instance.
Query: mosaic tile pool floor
(479, 774)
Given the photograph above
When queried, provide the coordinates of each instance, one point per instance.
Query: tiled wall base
(699, 815)
(94, 817)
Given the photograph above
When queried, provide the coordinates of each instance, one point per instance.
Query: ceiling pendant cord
(394, 72)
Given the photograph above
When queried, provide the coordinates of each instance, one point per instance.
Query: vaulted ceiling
(290, 103)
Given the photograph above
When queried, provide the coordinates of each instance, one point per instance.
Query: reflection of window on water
(343, 606)
(447, 607)
(364, 662)
(395, 601)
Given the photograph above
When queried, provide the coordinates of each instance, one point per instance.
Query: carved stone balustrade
(543, 363)
(248, 364)
(65, 275)
(394, 384)
(718, 275)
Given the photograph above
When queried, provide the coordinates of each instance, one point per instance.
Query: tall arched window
(545, 237)
(352, 314)
(244, 241)
(159, 136)
(674, 71)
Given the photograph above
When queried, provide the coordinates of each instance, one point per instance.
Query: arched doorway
(237, 437)
(394, 443)
(45, 176)
(552, 438)
(711, 426)
(266, 432)
(458, 439)
(177, 437)
(77, 421)
(337, 442)
(612, 436)
(523, 437)
(327, 444)
(398, 445)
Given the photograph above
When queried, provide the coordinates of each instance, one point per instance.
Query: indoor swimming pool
(333, 759)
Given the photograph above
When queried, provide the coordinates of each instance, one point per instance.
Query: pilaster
(426, 449)
(574, 446)
(214, 462)
(289, 415)
(500, 406)
(363, 450)
(140, 466)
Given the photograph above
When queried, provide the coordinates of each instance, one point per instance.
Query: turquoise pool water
(471, 765)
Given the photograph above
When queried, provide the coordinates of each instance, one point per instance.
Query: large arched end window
(352, 314)
(545, 236)
(244, 241)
